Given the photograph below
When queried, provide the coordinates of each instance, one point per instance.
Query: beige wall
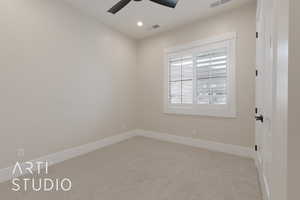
(293, 143)
(239, 131)
(65, 79)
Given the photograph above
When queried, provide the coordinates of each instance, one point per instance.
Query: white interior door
(264, 89)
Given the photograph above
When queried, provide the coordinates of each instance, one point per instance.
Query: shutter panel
(211, 77)
(181, 80)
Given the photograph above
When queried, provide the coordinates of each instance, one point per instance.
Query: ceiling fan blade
(168, 3)
(116, 8)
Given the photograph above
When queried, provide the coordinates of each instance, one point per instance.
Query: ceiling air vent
(218, 3)
(156, 26)
(224, 1)
(215, 4)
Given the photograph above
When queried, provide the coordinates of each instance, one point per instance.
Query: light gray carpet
(146, 169)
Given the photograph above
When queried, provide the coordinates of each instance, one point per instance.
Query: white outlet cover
(124, 126)
(20, 152)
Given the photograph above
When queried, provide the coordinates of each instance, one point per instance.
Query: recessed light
(140, 24)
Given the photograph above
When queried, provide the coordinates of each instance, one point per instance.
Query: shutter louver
(211, 77)
(181, 80)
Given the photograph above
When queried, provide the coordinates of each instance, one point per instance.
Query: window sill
(220, 113)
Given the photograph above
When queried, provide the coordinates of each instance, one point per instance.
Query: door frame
(278, 171)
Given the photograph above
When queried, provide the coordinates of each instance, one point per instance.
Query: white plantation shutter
(201, 78)
(181, 80)
(211, 76)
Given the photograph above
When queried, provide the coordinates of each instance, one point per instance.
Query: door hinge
(256, 34)
(256, 147)
(256, 72)
(256, 110)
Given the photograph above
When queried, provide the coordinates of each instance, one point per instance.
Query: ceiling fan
(121, 4)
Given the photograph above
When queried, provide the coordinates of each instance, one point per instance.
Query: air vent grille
(156, 26)
(218, 3)
(224, 1)
(215, 4)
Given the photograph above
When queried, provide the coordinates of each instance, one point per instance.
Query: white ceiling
(151, 13)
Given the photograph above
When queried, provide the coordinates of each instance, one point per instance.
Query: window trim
(228, 110)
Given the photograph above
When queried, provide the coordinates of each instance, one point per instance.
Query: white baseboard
(6, 173)
(213, 146)
(262, 178)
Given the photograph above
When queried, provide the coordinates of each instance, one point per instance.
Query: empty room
(149, 99)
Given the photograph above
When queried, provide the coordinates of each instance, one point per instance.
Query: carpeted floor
(146, 169)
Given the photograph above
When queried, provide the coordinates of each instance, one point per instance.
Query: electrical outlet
(20, 152)
(194, 132)
(124, 127)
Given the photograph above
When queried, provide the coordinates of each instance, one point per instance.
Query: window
(200, 78)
